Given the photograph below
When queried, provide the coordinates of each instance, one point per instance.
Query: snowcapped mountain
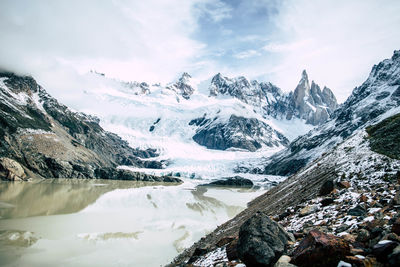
(311, 104)
(376, 99)
(48, 139)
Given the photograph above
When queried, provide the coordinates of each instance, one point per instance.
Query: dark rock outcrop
(183, 86)
(238, 132)
(261, 241)
(235, 181)
(122, 174)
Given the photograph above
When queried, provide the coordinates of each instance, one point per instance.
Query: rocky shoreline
(329, 200)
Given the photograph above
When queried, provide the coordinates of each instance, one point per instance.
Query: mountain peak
(304, 75)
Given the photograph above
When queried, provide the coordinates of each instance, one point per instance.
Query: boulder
(357, 211)
(284, 261)
(394, 257)
(262, 241)
(236, 181)
(320, 249)
(327, 201)
(11, 170)
(396, 226)
(343, 184)
(326, 188)
(308, 210)
(383, 249)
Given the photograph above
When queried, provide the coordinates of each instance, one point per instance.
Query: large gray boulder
(262, 241)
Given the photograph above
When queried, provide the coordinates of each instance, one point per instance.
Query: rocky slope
(378, 95)
(351, 193)
(344, 195)
(237, 132)
(50, 140)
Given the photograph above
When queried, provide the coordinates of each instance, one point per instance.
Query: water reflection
(56, 196)
(108, 223)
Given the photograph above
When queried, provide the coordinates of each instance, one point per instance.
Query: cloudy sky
(336, 41)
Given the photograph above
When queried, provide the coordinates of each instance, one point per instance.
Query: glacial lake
(74, 222)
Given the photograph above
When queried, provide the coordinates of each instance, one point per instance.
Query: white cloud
(133, 40)
(336, 41)
(214, 10)
(247, 54)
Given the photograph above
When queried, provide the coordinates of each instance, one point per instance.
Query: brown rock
(343, 184)
(225, 240)
(363, 198)
(349, 238)
(231, 250)
(319, 249)
(355, 261)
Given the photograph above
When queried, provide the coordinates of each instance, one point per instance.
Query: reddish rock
(343, 184)
(396, 227)
(319, 249)
(363, 198)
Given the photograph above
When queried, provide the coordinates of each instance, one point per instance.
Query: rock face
(11, 170)
(238, 132)
(312, 104)
(183, 86)
(236, 181)
(319, 249)
(367, 103)
(121, 174)
(51, 140)
(261, 241)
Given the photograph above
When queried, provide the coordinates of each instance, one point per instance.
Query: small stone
(363, 198)
(308, 210)
(349, 238)
(326, 202)
(396, 226)
(363, 235)
(343, 184)
(396, 198)
(284, 261)
(357, 211)
(355, 261)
